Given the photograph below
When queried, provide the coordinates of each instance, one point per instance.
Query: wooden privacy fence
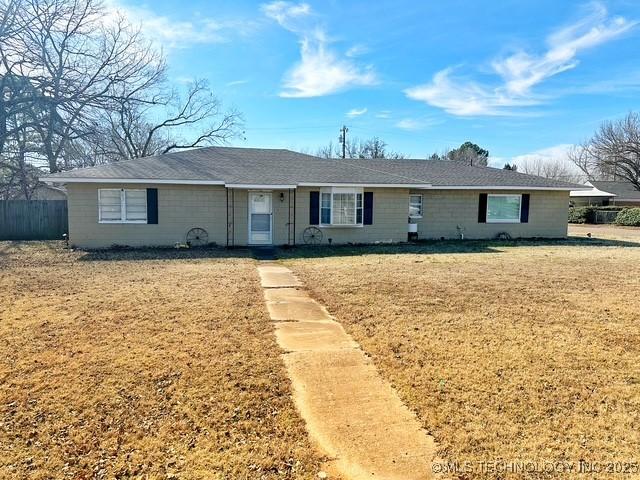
(605, 216)
(33, 219)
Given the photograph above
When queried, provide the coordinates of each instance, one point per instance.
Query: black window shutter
(152, 206)
(314, 208)
(524, 208)
(482, 208)
(367, 214)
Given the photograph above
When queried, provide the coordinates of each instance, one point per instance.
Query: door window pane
(260, 222)
(260, 203)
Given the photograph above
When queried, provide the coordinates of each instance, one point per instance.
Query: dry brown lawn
(605, 231)
(516, 352)
(141, 365)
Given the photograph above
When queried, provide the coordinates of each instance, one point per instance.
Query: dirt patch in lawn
(152, 364)
(507, 353)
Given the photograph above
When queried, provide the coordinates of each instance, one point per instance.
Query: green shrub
(629, 217)
(609, 207)
(582, 214)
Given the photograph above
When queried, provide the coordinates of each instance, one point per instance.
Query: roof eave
(49, 179)
(502, 187)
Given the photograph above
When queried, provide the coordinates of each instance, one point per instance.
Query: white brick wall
(445, 209)
(390, 213)
(181, 207)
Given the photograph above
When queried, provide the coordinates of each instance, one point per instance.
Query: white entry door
(260, 221)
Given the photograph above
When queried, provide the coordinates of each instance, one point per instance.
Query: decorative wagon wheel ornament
(197, 237)
(312, 235)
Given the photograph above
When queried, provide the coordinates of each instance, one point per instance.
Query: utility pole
(343, 139)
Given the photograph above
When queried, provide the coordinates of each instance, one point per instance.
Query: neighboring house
(250, 196)
(625, 194)
(593, 196)
(45, 192)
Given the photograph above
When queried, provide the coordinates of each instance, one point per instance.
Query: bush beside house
(582, 215)
(596, 214)
(629, 217)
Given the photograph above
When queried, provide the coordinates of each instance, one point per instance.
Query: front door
(260, 224)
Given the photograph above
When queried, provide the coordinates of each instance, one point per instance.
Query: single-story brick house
(250, 196)
(592, 196)
(623, 193)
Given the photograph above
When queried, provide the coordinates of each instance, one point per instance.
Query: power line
(299, 127)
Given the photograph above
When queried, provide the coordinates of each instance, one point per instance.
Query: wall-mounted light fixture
(282, 196)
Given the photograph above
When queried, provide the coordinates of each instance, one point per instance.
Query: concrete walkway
(352, 414)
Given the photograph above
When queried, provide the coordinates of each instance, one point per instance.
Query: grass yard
(141, 365)
(515, 352)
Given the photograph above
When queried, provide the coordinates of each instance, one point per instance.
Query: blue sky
(517, 77)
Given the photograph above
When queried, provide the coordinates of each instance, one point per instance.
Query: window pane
(358, 208)
(325, 216)
(415, 205)
(344, 208)
(505, 207)
(110, 208)
(136, 204)
(325, 209)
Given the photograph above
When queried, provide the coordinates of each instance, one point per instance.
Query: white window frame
(504, 220)
(123, 205)
(421, 205)
(337, 190)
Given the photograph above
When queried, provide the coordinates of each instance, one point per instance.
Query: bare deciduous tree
(193, 120)
(78, 64)
(82, 86)
(355, 148)
(613, 152)
(554, 168)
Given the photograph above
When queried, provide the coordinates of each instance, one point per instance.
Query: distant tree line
(468, 153)
(357, 148)
(81, 87)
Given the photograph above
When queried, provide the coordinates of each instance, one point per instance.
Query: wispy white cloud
(464, 97)
(556, 153)
(409, 124)
(171, 33)
(413, 124)
(356, 112)
(383, 114)
(286, 13)
(357, 50)
(520, 71)
(236, 82)
(184, 80)
(321, 70)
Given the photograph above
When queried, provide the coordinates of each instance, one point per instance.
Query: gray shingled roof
(258, 166)
(624, 191)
